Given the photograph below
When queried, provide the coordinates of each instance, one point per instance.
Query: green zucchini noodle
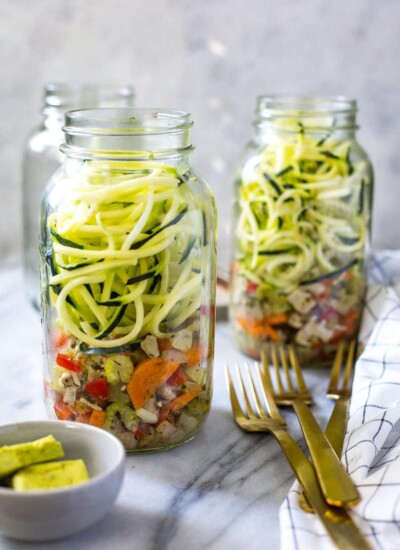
(301, 210)
(124, 254)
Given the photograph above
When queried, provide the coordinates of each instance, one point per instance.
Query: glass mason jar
(42, 158)
(128, 269)
(301, 228)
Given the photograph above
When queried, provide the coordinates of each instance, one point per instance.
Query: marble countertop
(220, 491)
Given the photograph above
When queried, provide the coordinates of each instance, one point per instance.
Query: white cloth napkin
(372, 444)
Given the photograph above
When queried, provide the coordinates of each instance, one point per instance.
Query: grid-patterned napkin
(372, 445)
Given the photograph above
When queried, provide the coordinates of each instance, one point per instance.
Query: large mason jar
(301, 228)
(42, 157)
(128, 278)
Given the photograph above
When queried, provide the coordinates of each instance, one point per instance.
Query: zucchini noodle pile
(124, 255)
(302, 210)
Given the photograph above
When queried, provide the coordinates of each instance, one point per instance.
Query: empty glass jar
(128, 278)
(42, 157)
(301, 228)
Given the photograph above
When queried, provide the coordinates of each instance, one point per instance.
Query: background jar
(302, 214)
(128, 278)
(42, 157)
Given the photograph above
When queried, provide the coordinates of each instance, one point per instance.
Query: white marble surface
(220, 491)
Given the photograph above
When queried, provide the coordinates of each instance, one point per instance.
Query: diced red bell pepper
(66, 362)
(251, 287)
(98, 389)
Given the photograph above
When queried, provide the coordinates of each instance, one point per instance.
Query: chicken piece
(302, 300)
(150, 346)
(183, 340)
(295, 320)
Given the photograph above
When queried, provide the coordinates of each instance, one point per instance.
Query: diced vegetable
(63, 411)
(66, 362)
(191, 391)
(97, 418)
(147, 377)
(98, 389)
(118, 368)
(117, 414)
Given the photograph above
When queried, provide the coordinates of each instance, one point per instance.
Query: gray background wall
(211, 57)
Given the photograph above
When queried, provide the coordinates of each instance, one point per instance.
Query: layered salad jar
(128, 278)
(42, 157)
(302, 214)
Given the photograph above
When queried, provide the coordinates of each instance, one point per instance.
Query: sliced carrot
(147, 377)
(184, 398)
(97, 418)
(196, 354)
(277, 319)
(258, 329)
(63, 411)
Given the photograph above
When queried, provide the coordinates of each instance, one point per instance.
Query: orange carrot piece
(196, 354)
(184, 398)
(147, 377)
(97, 418)
(276, 319)
(63, 411)
(272, 333)
(258, 329)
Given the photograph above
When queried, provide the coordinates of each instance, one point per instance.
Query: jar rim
(126, 121)
(313, 114)
(307, 104)
(127, 133)
(60, 97)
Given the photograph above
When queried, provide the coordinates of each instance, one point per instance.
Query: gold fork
(336, 484)
(337, 521)
(341, 391)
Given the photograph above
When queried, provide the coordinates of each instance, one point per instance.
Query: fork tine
(275, 363)
(268, 396)
(249, 408)
(236, 408)
(336, 368)
(254, 393)
(349, 364)
(294, 361)
(265, 364)
(283, 355)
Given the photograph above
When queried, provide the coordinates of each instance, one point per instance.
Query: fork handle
(336, 427)
(336, 484)
(341, 528)
(335, 432)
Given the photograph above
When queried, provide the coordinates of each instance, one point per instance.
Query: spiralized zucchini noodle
(302, 210)
(125, 253)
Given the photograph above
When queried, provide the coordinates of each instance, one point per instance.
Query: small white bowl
(56, 513)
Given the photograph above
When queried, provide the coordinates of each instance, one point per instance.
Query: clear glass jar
(128, 269)
(301, 228)
(42, 157)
